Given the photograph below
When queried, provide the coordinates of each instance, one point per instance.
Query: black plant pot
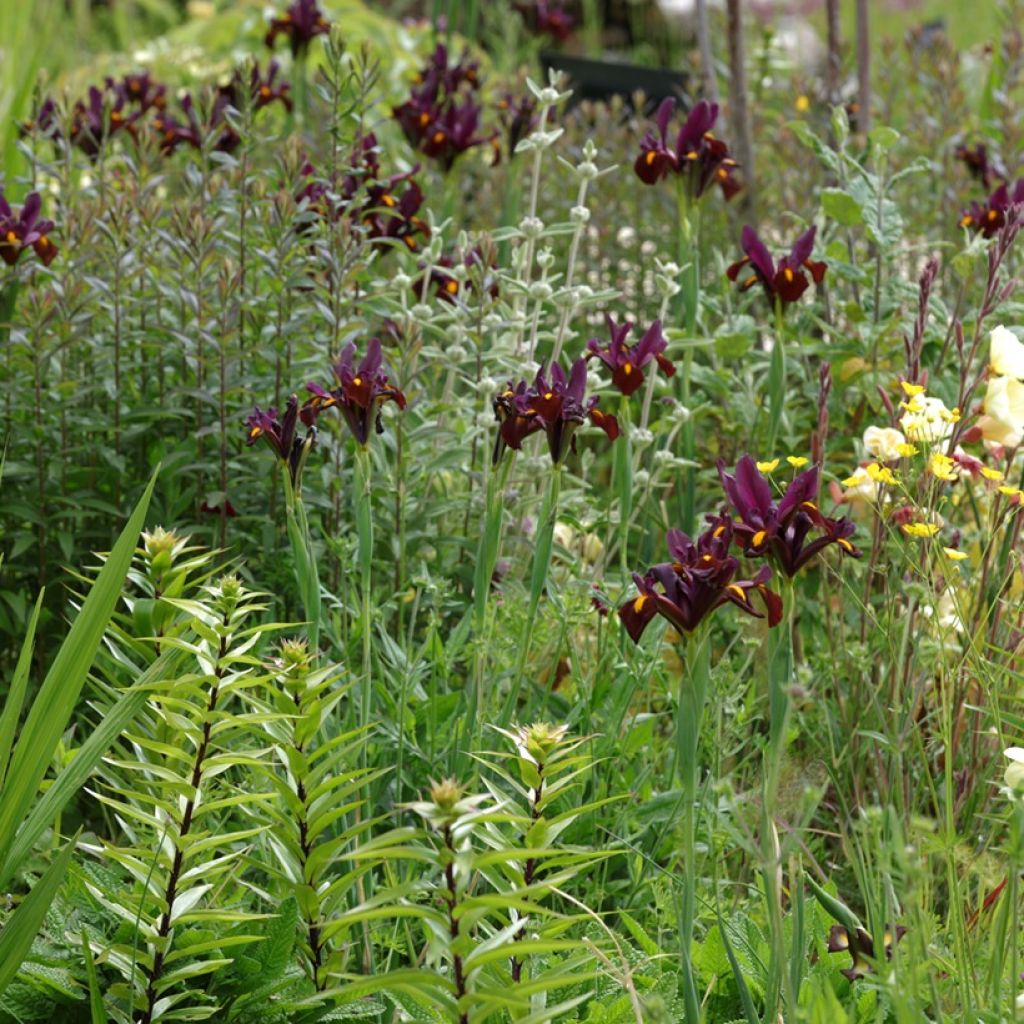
(603, 79)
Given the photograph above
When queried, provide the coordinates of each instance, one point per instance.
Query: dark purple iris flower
(697, 154)
(781, 529)
(988, 217)
(784, 282)
(627, 362)
(978, 163)
(861, 947)
(361, 392)
(282, 434)
(556, 406)
(699, 579)
(518, 116)
(547, 19)
(441, 117)
(25, 229)
(302, 22)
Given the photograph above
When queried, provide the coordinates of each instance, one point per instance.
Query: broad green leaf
(841, 207)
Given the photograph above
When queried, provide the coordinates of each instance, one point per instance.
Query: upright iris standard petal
(627, 362)
(361, 391)
(782, 529)
(555, 403)
(700, 578)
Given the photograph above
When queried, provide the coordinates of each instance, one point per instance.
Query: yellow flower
(906, 450)
(1005, 353)
(797, 461)
(802, 104)
(942, 466)
(881, 474)
(954, 554)
(768, 467)
(1010, 492)
(883, 443)
(991, 474)
(920, 529)
(910, 390)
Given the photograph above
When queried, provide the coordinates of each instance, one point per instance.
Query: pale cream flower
(1005, 353)
(928, 419)
(860, 486)
(883, 443)
(1014, 775)
(1003, 421)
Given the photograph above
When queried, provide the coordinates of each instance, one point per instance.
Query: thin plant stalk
(694, 683)
(780, 671)
(776, 381)
(306, 572)
(689, 297)
(538, 581)
(486, 561)
(363, 498)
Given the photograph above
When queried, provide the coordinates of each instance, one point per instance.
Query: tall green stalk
(486, 560)
(538, 580)
(776, 380)
(689, 299)
(780, 674)
(694, 684)
(363, 499)
(306, 573)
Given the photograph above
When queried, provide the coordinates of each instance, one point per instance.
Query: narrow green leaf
(73, 777)
(97, 1015)
(16, 694)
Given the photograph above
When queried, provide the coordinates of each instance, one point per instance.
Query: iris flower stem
(363, 497)
(624, 484)
(776, 380)
(780, 671)
(689, 297)
(694, 683)
(486, 560)
(306, 573)
(538, 580)
(301, 88)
